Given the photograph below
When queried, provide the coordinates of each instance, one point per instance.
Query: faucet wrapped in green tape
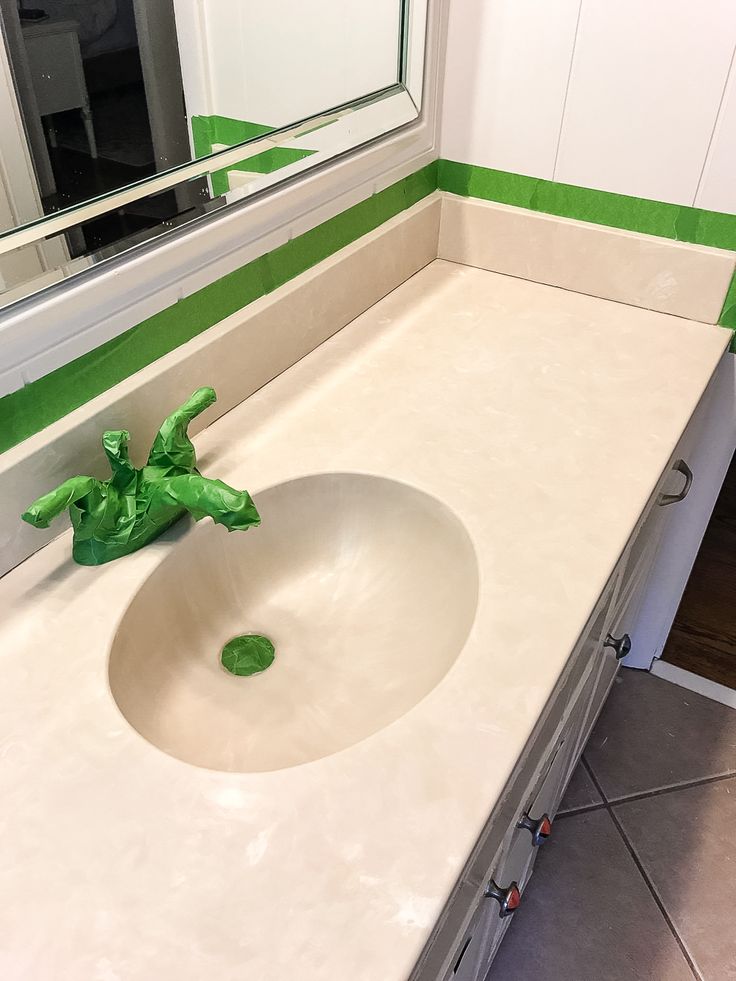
(114, 517)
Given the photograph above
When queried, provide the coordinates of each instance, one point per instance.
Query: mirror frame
(66, 320)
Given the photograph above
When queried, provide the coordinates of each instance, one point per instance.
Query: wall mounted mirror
(123, 119)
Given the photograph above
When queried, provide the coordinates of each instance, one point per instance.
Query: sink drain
(247, 654)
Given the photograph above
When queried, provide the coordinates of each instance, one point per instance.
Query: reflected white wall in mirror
(277, 62)
(111, 108)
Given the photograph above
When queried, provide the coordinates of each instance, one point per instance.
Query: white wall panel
(277, 62)
(506, 73)
(717, 190)
(646, 83)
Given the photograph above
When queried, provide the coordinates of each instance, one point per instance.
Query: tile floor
(638, 880)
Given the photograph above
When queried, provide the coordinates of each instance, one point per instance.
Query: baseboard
(693, 682)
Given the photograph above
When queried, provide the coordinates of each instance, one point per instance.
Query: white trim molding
(693, 682)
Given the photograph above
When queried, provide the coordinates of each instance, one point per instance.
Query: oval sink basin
(367, 588)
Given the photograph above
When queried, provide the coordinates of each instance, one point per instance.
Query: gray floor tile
(587, 914)
(685, 841)
(581, 792)
(653, 734)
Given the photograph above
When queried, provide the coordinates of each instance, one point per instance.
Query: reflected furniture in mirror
(59, 84)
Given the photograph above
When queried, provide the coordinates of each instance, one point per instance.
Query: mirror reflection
(99, 95)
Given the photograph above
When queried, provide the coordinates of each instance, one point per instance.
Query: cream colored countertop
(512, 402)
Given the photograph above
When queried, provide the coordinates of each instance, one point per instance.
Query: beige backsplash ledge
(251, 347)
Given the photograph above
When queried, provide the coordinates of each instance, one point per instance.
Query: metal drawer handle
(540, 830)
(684, 469)
(621, 645)
(508, 899)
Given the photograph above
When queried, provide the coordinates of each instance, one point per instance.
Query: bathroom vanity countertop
(544, 419)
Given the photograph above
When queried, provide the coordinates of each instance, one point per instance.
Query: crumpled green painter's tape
(115, 517)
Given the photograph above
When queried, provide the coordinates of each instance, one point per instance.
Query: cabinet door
(622, 626)
(604, 678)
(646, 546)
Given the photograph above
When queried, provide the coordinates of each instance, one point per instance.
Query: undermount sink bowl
(367, 588)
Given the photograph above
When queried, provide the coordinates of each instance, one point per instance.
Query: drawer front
(527, 834)
(620, 628)
(602, 677)
(640, 554)
(522, 850)
(518, 859)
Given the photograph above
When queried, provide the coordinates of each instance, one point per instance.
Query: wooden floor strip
(703, 636)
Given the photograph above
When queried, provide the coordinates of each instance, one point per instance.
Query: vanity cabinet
(492, 886)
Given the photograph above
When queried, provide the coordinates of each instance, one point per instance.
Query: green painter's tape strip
(29, 410)
(209, 130)
(37, 405)
(262, 163)
(233, 131)
(201, 135)
(674, 221)
(728, 314)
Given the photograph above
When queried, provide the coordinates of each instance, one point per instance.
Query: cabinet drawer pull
(621, 645)
(540, 830)
(684, 469)
(508, 899)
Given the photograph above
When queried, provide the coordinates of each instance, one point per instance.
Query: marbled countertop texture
(512, 402)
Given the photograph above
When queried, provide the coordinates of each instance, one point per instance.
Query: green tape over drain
(248, 654)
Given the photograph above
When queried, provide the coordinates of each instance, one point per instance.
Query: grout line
(585, 809)
(655, 895)
(659, 791)
(567, 90)
(642, 872)
(715, 126)
(594, 778)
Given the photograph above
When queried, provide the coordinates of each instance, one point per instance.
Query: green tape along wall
(678, 222)
(209, 131)
(37, 405)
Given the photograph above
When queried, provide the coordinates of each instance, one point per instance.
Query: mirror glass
(123, 119)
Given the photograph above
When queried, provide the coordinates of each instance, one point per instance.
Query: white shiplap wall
(637, 96)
